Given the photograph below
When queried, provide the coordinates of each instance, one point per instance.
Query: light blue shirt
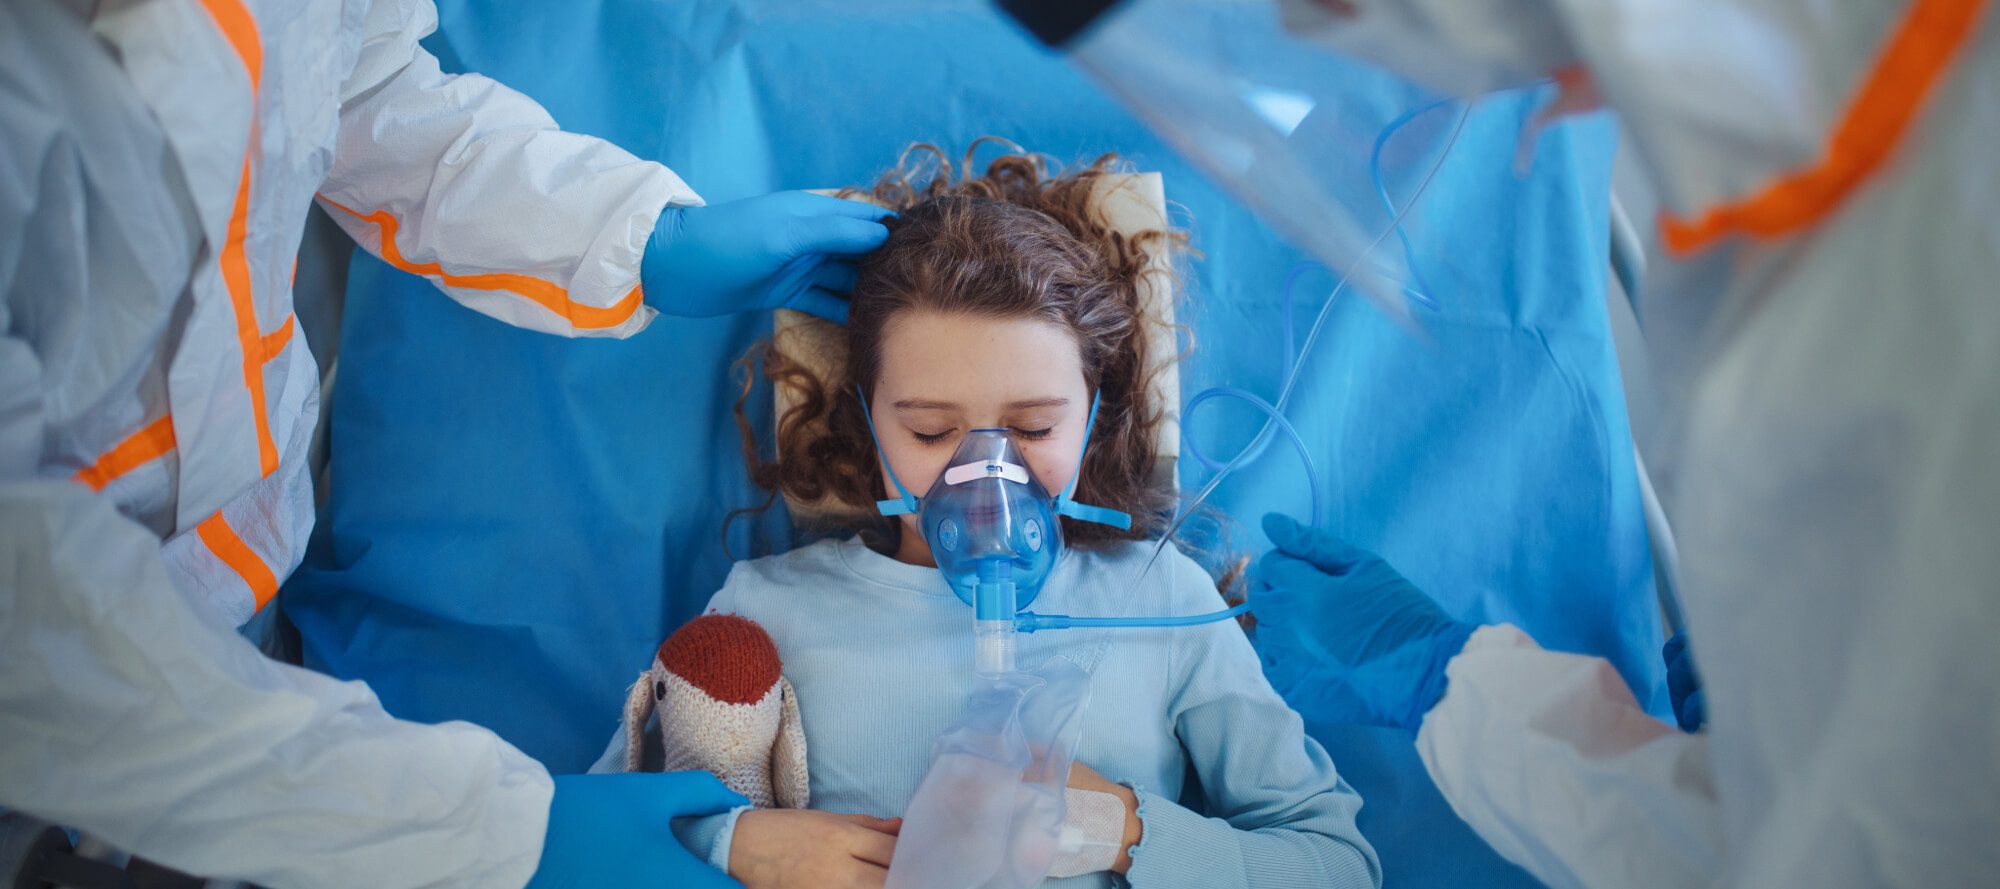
(880, 654)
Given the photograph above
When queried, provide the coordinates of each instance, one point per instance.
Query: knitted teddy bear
(724, 707)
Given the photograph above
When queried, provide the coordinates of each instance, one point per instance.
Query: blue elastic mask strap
(905, 505)
(1102, 515)
(1084, 512)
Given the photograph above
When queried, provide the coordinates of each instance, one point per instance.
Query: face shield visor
(1300, 135)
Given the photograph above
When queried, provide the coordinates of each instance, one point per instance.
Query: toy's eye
(659, 690)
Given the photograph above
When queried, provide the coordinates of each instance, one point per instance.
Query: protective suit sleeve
(131, 713)
(1278, 814)
(472, 185)
(1549, 757)
(128, 707)
(1722, 97)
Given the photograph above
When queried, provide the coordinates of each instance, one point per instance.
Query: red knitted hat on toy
(724, 707)
(729, 657)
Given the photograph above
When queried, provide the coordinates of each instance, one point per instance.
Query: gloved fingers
(1289, 577)
(1682, 678)
(1337, 694)
(1286, 664)
(792, 281)
(1303, 651)
(685, 794)
(1674, 647)
(1282, 586)
(814, 285)
(805, 203)
(822, 304)
(1692, 713)
(834, 275)
(1331, 700)
(840, 235)
(1312, 680)
(1331, 554)
(1684, 689)
(1283, 530)
(1288, 589)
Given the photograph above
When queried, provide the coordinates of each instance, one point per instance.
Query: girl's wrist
(1135, 830)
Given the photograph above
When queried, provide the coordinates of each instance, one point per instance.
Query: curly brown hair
(1021, 240)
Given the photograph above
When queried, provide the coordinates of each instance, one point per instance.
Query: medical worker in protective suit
(157, 161)
(1835, 489)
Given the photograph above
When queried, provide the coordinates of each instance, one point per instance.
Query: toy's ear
(639, 703)
(788, 756)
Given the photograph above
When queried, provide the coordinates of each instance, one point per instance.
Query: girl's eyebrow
(1050, 401)
(921, 404)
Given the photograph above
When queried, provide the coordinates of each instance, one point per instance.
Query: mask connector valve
(993, 609)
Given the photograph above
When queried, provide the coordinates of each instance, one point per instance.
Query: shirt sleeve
(1278, 813)
(1519, 727)
(472, 185)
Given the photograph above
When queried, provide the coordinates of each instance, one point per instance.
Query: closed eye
(931, 438)
(1035, 434)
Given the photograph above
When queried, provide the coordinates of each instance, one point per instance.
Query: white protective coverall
(1836, 492)
(157, 158)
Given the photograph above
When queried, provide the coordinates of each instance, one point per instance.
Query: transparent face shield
(1275, 120)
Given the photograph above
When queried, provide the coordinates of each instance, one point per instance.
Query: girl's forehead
(972, 362)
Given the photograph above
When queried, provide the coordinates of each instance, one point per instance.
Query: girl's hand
(787, 848)
(1083, 777)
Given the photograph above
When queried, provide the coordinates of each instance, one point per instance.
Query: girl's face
(944, 374)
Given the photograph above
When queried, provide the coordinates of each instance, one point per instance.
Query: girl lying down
(1000, 302)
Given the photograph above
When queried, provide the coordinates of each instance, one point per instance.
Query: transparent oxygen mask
(992, 528)
(988, 519)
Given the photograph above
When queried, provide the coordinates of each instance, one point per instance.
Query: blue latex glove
(1345, 637)
(1684, 684)
(615, 830)
(791, 250)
